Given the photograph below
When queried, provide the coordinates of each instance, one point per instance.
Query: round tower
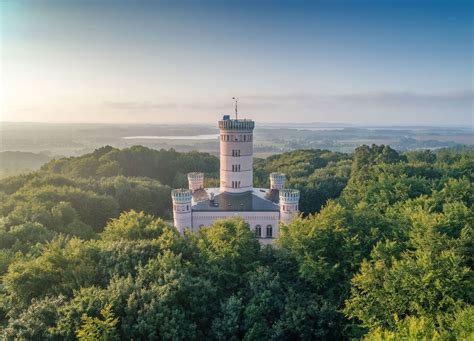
(182, 208)
(289, 199)
(277, 181)
(236, 155)
(196, 181)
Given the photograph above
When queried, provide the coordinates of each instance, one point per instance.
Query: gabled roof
(256, 200)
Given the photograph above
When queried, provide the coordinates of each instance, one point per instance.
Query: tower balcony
(232, 124)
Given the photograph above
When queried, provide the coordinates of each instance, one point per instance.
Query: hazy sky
(362, 62)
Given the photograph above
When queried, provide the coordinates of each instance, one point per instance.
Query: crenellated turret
(289, 199)
(277, 181)
(182, 208)
(195, 181)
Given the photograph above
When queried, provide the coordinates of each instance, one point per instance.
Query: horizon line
(322, 124)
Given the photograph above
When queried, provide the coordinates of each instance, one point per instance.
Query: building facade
(262, 208)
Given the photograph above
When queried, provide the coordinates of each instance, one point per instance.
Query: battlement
(181, 195)
(195, 176)
(277, 180)
(290, 196)
(196, 180)
(232, 124)
(277, 176)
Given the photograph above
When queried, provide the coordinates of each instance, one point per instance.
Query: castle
(262, 208)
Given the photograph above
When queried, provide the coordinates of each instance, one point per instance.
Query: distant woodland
(383, 250)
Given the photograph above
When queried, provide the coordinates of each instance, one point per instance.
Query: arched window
(269, 231)
(258, 231)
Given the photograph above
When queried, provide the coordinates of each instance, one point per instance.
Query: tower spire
(236, 100)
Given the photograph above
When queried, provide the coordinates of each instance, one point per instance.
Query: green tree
(133, 226)
(95, 328)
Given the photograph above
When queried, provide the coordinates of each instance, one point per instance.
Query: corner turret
(182, 208)
(289, 199)
(277, 181)
(195, 181)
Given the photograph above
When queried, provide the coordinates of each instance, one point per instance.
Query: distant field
(39, 142)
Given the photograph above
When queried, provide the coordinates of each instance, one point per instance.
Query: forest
(383, 250)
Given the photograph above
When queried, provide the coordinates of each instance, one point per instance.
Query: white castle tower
(289, 199)
(264, 209)
(182, 208)
(236, 155)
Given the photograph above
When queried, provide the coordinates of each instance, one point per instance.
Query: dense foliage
(167, 166)
(384, 251)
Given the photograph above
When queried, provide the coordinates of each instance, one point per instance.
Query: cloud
(403, 107)
(147, 105)
(407, 97)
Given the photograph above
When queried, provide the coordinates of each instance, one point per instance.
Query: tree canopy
(383, 250)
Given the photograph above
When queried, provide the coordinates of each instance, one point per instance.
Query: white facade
(260, 222)
(263, 209)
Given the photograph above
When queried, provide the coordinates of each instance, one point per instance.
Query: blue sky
(361, 62)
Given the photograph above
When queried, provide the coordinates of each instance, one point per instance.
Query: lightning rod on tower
(236, 100)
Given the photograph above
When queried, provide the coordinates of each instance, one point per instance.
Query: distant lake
(174, 137)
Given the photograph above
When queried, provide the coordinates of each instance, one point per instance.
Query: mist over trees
(383, 250)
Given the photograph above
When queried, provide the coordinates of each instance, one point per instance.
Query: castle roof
(256, 200)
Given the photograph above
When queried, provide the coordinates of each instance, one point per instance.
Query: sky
(358, 62)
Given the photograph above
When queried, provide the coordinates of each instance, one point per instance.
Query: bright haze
(359, 62)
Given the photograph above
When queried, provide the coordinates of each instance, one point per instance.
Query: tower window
(269, 231)
(258, 231)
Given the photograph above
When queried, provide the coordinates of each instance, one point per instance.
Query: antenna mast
(236, 100)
